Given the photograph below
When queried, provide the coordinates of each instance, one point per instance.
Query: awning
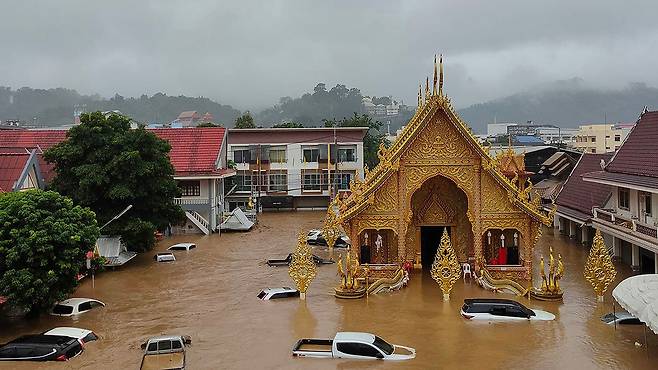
(639, 296)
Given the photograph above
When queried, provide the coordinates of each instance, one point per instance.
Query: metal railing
(631, 224)
(190, 201)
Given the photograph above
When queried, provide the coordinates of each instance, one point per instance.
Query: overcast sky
(248, 54)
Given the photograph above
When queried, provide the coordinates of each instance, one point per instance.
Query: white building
(298, 167)
(601, 138)
(497, 129)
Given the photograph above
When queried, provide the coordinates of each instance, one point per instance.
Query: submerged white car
(164, 257)
(83, 335)
(353, 345)
(501, 309)
(274, 293)
(182, 247)
(75, 306)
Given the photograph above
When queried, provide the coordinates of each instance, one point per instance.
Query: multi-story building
(630, 215)
(292, 168)
(601, 138)
(557, 135)
(498, 129)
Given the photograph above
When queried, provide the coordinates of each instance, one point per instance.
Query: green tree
(43, 241)
(372, 139)
(288, 125)
(245, 121)
(105, 165)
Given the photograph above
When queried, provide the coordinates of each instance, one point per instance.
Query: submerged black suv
(41, 347)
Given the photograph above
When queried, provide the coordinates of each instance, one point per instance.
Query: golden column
(445, 269)
(302, 267)
(599, 270)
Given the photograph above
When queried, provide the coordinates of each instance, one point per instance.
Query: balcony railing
(190, 201)
(631, 224)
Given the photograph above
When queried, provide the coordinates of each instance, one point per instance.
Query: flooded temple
(437, 175)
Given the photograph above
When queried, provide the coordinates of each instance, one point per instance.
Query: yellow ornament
(302, 268)
(599, 270)
(445, 269)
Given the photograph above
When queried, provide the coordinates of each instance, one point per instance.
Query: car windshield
(61, 309)
(261, 294)
(383, 345)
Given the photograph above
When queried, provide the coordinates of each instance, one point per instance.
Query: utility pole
(258, 180)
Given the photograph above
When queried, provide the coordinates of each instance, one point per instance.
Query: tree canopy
(311, 108)
(43, 241)
(105, 165)
(288, 125)
(372, 139)
(245, 121)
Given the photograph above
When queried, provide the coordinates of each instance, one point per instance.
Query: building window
(190, 188)
(624, 198)
(312, 181)
(259, 183)
(347, 154)
(593, 150)
(343, 180)
(278, 155)
(311, 154)
(241, 155)
(243, 181)
(617, 138)
(645, 199)
(278, 181)
(593, 139)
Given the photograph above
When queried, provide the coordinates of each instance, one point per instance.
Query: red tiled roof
(32, 138)
(580, 195)
(11, 168)
(638, 154)
(193, 150)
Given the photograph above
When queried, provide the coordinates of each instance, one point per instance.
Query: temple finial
(420, 96)
(427, 89)
(435, 77)
(441, 75)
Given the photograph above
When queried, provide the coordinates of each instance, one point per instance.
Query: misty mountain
(564, 104)
(311, 108)
(54, 107)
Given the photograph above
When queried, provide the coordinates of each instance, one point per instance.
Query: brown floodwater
(210, 294)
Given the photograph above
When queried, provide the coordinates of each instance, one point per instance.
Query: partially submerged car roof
(76, 301)
(470, 301)
(68, 331)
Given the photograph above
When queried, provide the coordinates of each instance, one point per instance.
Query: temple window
(501, 247)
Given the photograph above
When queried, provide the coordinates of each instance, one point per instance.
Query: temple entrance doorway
(430, 239)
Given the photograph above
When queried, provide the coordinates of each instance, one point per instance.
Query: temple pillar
(584, 235)
(572, 229)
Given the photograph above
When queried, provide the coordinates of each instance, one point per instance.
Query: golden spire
(427, 89)
(441, 75)
(420, 96)
(434, 84)
(302, 268)
(599, 269)
(445, 269)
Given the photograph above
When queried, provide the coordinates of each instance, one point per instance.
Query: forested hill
(564, 105)
(311, 108)
(54, 107)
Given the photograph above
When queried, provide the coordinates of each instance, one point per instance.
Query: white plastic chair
(466, 269)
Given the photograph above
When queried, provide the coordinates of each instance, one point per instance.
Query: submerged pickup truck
(166, 352)
(353, 345)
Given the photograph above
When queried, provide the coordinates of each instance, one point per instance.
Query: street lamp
(117, 216)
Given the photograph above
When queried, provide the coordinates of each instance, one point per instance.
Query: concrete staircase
(199, 221)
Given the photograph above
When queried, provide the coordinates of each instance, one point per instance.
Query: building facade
(601, 138)
(629, 219)
(293, 168)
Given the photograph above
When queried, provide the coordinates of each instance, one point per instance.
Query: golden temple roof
(362, 192)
